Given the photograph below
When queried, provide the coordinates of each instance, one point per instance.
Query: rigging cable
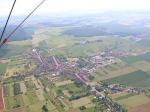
(7, 20)
(5, 40)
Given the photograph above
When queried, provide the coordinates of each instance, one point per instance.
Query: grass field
(137, 78)
(117, 73)
(25, 99)
(80, 102)
(16, 62)
(3, 67)
(48, 95)
(13, 101)
(134, 101)
(63, 83)
(14, 50)
(40, 93)
(96, 47)
(37, 107)
(77, 51)
(38, 38)
(20, 43)
(144, 42)
(19, 110)
(142, 65)
(11, 90)
(92, 109)
(90, 105)
(32, 97)
(133, 59)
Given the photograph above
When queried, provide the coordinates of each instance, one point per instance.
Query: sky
(26, 6)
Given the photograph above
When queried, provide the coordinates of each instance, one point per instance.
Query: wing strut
(7, 20)
(5, 40)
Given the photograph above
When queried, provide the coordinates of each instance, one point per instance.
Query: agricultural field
(49, 95)
(30, 85)
(92, 109)
(15, 50)
(101, 40)
(137, 78)
(133, 101)
(117, 73)
(3, 67)
(20, 43)
(32, 97)
(14, 102)
(66, 92)
(1, 98)
(6, 91)
(23, 88)
(144, 42)
(141, 108)
(24, 109)
(37, 107)
(25, 99)
(80, 102)
(15, 70)
(17, 62)
(133, 59)
(37, 84)
(38, 38)
(63, 83)
(11, 90)
(40, 93)
(142, 65)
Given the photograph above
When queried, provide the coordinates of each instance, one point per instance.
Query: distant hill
(17, 36)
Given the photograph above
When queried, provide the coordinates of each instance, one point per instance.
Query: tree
(82, 108)
(44, 108)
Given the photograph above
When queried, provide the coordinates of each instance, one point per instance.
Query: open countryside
(92, 63)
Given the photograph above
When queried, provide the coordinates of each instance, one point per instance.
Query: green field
(142, 65)
(137, 78)
(91, 109)
(133, 59)
(37, 107)
(25, 99)
(20, 43)
(13, 101)
(3, 67)
(16, 62)
(9, 50)
(77, 51)
(48, 95)
(145, 42)
(32, 97)
(134, 101)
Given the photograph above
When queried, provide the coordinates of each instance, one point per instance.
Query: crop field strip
(142, 65)
(39, 94)
(133, 59)
(3, 67)
(23, 87)
(37, 106)
(130, 102)
(117, 73)
(141, 108)
(10, 102)
(133, 79)
(1, 98)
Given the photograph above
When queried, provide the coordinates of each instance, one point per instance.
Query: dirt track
(141, 108)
